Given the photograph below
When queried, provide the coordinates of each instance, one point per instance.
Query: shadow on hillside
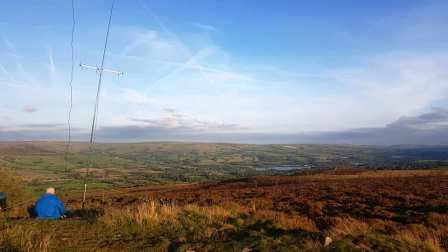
(260, 235)
(89, 214)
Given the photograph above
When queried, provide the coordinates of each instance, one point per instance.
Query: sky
(283, 71)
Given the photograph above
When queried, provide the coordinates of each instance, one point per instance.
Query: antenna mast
(100, 70)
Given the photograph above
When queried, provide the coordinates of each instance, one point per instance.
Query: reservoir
(283, 168)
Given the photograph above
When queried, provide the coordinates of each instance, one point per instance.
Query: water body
(283, 168)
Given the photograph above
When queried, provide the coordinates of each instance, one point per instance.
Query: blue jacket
(49, 206)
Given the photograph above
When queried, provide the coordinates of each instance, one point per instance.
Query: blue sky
(198, 69)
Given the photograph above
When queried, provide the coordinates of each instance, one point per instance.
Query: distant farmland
(167, 162)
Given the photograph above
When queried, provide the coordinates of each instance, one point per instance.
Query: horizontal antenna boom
(98, 69)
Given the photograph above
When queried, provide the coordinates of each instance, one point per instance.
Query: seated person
(3, 201)
(49, 206)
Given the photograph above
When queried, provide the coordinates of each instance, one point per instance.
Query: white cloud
(376, 93)
(393, 85)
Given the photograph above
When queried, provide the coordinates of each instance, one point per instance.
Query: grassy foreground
(342, 211)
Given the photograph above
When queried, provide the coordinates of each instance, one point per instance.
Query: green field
(123, 165)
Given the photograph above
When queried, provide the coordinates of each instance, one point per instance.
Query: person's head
(50, 190)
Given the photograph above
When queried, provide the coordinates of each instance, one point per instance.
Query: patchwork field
(142, 164)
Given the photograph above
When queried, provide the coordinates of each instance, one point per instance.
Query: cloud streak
(179, 121)
(205, 27)
(51, 66)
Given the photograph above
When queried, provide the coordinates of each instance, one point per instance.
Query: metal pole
(84, 196)
(95, 112)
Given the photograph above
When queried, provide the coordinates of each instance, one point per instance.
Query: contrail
(158, 20)
(4, 71)
(51, 65)
(192, 57)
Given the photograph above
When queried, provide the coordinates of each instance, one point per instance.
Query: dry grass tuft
(148, 213)
(154, 214)
(214, 214)
(439, 219)
(420, 237)
(288, 222)
(19, 239)
(380, 225)
(349, 226)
